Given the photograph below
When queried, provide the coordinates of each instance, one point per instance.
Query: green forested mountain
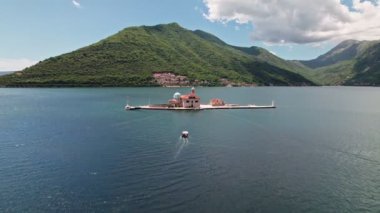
(367, 67)
(130, 57)
(355, 63)
(346, 50)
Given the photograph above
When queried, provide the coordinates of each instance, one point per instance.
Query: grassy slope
(335, 74)
(367, 67)
(129, 58)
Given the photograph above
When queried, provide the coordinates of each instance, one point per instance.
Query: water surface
(78, 150)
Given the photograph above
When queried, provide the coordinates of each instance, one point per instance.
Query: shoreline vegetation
(159, 79)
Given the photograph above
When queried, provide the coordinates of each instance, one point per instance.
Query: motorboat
(184, 134)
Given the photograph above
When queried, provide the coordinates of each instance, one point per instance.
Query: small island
(192, 101)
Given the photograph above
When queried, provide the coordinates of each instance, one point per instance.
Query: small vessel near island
(191, 101)
(184, 134)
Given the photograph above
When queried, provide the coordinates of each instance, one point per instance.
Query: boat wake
(182, 142)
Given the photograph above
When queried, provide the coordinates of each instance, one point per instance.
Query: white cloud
(300, 21)
(282, 43)
(76, 3)
(320, 45)
(10, 64)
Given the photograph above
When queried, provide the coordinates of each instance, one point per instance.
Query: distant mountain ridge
(133, 55)
(353, 63)
(6, 72)
(346, 50)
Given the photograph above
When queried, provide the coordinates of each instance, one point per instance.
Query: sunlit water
(78, 150)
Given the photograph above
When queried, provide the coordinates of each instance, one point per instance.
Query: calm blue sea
(77, 150)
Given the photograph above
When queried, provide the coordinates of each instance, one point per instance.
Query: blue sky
(35, 30)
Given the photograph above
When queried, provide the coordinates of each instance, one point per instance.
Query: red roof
(190, 96)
